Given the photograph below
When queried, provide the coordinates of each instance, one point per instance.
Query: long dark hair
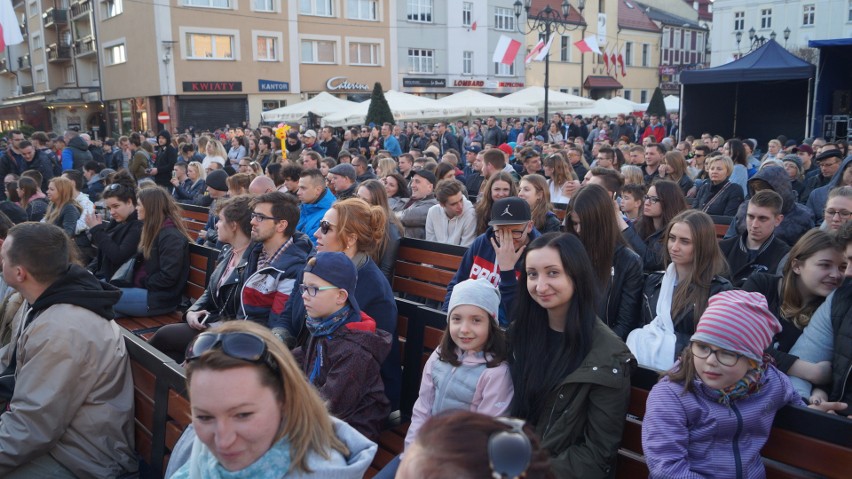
(598, 228)
(535, 370)
(671, 198)
(738, 152)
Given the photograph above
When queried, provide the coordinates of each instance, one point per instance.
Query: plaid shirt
(264, 259)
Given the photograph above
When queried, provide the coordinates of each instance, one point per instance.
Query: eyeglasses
(261, 217)
(325, 227)
(698, 156)
(509, 452)
(652, 199)
(827, 164)
(313, 290)
(725, 358)
(238, 345)
(844, 215)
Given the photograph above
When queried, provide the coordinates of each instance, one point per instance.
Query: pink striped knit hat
(738, 321)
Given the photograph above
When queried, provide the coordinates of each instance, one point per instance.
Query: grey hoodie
(797, 218)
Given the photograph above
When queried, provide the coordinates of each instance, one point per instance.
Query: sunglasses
(238, 345)
(325, 227)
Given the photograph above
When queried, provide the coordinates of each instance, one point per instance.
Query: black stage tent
(762, 95)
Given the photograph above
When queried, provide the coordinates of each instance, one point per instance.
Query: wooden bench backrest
(202, 263)
(721, 224)
(194, 218)
(803, 443)
(162, 409)
(560, 210)
(423, 269)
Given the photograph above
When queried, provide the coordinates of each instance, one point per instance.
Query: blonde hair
(632, 175)
(305, 420)
(218, 149)
(355, 217)
(202, 174)
(64, 195)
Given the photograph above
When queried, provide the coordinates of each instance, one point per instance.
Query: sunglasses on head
(238, 345)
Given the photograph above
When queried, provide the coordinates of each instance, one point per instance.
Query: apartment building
(683, 47)
(446, 46)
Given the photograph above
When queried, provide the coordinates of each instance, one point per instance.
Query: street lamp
(739, 36)
(786, 36)
(551, 21)
(757, 41)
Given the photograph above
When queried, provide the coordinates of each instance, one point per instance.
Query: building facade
(805, 20)
(683, 46)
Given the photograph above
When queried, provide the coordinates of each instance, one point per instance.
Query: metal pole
(546, 73)
(582, 64)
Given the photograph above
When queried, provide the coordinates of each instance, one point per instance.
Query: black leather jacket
(222, 302)
(620, 309)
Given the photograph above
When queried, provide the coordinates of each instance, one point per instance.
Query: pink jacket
(492, 388)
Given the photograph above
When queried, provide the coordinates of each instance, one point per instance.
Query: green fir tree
(657, 105)
(379, 111)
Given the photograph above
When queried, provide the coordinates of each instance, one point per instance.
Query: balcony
(55, 16)
(58, 53)
(85, 46)
(24, 62)
(23, 30)
(80, 8)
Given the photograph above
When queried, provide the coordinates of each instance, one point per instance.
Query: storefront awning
(602, 82)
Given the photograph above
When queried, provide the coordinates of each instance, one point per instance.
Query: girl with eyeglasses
(255, 415)
(676, 298)
(221, 298)
(162, 266)
(570, 372)
(663, 202)
(711, 414)
(117, 240)
(838, 208)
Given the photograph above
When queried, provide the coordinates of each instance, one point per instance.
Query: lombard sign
(342, 84)
(270, 85)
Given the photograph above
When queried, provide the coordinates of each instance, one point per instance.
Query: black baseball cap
(510, 211)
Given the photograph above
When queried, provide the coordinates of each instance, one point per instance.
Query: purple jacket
(693, 436)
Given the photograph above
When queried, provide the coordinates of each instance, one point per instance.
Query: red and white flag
(507, 50)
(473, 27)
(544, 51)
(10, 30)
(621, 62)
(606, 61)
(588, 45)
(534, 52)
(612, 61)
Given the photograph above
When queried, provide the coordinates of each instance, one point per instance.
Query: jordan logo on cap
(506, 212)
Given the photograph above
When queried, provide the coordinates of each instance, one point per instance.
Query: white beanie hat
(477, 292)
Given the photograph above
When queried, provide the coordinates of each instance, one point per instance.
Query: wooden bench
(803, 443)
(194, 218)
(202, 262)
(423, 269)
(560, 210)
(721, 223)
(161, 404)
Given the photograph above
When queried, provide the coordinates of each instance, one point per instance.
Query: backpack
(55, 164)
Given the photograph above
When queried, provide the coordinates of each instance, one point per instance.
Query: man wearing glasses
(837, 173)
(276, 259)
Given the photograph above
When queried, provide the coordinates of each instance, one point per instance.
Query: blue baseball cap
(337, 269)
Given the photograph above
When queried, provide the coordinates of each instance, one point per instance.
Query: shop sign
(270, 85)
(511, 84)
(341, 83)
(424, 82)
(212, 86)
(469, 83)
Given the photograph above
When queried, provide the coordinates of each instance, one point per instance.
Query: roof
(574, 17)
(667, 18)
(704, 12)
(605, 82)
(632, 17)
(769, 62)
(834, 42)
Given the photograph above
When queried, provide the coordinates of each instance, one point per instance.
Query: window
(421, 61)
(264, 6)
(503, 70)
(208, 3)
(363, 10)
(576, 91)
(320, 8)
(202, 46)
(267, 105)
(419, 11)
(565, 49)
(39, 75)
(643, 96)
(808, 14)
(267, 48)
(627, 94)
(628, 54)
(739, 21)
(645, 56)
(37, 43)
(365, 54)
(113, 8)
(319, 51)
(467, 63)
(68, 75)
(114, 55)
(504, 19)
(467, 14)
(667, 36)
(766, 18)
(32, 8)
(849, 15)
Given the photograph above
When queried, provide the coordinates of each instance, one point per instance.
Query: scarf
(202, 464)
(654, 344)
(324, 327)
(748, 385)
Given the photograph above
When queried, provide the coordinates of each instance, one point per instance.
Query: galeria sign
(341, 83)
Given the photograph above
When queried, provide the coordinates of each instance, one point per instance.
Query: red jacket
(657, 131)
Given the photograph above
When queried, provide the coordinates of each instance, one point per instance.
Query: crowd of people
(591, 249)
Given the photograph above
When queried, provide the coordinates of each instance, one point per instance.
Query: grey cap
(345, 169)
(477, 292)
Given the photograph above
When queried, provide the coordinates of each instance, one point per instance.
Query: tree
(657, 106)
(379, 111)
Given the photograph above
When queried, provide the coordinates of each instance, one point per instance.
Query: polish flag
(621, 62)
(544, 51)
(507, 50)
(534, 52)
(606, 61)
(612, 61)
(588, 45)
(473, 27)
(10, 30)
